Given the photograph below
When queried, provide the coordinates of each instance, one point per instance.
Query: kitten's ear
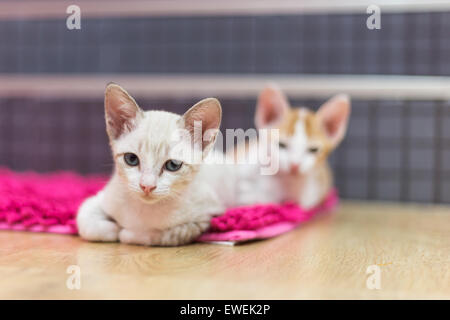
(121, 111)
(205, 117)
(271, 107)
(334, 116)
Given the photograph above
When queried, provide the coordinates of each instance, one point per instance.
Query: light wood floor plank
(326, 258)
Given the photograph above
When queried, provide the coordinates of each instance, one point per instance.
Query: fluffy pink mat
(49, 202)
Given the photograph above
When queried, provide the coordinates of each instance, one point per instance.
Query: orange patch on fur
(314, 128)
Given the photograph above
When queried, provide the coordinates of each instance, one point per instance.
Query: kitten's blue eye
(173, 165)
(131, 159)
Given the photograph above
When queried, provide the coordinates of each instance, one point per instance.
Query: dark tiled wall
(408, 43)
(394, 150)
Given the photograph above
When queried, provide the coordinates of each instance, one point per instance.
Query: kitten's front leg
(182, 234)
(136, 237)
(93, 223)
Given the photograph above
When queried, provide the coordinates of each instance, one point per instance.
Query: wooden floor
(326, 258)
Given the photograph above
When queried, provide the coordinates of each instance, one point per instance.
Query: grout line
(437, 181)
(44, 9)
(406, 145)
(372, 189)
(366, 87)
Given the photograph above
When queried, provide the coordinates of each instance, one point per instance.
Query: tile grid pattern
(408, 43)
(394, 150)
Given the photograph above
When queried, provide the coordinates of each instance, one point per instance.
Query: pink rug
(49, 202)
(263, 221)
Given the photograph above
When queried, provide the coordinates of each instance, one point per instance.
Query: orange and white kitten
(306, 139)
(156, 196)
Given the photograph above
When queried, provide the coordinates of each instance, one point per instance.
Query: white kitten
(157, 194)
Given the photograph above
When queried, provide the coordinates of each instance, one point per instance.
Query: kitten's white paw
(126, 236)
(132, 237)
(93, 224)
(183, 234)
(101, 230)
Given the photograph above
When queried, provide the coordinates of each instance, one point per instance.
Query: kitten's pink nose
(294, 167)
(147, 189)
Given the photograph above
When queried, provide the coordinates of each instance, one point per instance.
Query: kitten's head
(306, 137)
(152, 150)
